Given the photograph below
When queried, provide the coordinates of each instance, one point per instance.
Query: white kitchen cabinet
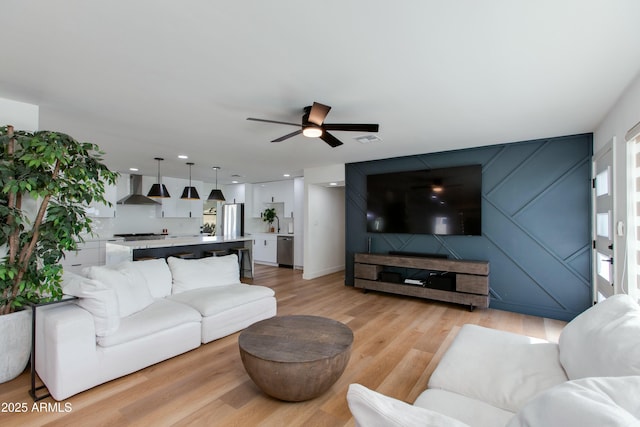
(89, 253)
(265, 248)
(267, 193)
(234, 193)
(102, 210)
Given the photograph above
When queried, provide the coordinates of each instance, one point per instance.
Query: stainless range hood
(136, 197)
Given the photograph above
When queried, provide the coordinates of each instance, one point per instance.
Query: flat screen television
(443, 201)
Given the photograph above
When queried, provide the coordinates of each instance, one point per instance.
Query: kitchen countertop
(179, 241)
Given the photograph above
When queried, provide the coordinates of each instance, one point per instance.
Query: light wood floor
(398, 341)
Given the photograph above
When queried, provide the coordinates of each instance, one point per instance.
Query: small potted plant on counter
(269, 215)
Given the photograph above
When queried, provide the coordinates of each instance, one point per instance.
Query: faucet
(278, 229)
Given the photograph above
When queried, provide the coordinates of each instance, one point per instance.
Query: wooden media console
(471, 278)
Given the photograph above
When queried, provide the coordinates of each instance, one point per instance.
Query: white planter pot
(15, 344)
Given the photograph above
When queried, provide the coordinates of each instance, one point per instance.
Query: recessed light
(183, 156)
(286, 175)
(133, 169)
(333, 184)
(234, 182)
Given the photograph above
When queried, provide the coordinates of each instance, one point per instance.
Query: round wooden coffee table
(295, 358)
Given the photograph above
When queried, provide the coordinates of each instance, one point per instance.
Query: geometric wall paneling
(536, 232)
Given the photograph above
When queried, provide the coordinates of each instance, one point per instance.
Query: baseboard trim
(308, 275)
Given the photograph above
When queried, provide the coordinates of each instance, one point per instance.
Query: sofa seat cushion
(588, 402)
(500, 368)
(603, 341)
(370, 408)
(161, 315)
(189, 274)
(214, 300)
(470, 411)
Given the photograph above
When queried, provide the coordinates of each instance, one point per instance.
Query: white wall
(298, 223)
(20, 115)
(623, 115)
(324, 221)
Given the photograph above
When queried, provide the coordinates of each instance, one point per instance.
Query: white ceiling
(154, 78)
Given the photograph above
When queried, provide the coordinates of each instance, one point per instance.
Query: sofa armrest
(66, 358)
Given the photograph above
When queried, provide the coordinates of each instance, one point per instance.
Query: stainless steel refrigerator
(233, 220)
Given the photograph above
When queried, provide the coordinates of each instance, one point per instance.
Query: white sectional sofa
(591, 377)
(134, 314)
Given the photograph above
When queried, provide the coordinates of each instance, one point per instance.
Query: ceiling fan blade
(318, 113)
(330, 139)
(354, 127)
(273, 121)
(287, 136)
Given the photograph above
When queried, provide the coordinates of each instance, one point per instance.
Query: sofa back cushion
(129, 285)
(157, 275)
(191, 274)
(97, 299)
(588, 402)
(603, 341)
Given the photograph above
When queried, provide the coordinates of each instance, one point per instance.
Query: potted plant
(269, 215)
(46, 180)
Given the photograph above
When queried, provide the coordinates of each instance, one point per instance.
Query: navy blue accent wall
(536, 216)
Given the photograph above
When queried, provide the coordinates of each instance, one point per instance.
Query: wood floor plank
(398, 341)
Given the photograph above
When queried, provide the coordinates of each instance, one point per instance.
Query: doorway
(603, 195)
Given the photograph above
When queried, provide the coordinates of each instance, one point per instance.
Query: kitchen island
(162, 248)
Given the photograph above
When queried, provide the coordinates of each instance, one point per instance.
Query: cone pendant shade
(190, 192)
(158, 190)
(216, 195)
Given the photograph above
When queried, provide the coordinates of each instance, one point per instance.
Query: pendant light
(158, 190)
(216, 195)
(190, 193)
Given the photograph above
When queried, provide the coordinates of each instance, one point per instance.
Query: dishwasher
(285, 251)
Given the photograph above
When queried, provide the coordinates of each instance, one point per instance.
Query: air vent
(366, 139)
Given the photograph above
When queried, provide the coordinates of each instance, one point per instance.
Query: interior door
(603, 222)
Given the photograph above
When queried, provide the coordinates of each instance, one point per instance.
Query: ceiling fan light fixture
(312, 131)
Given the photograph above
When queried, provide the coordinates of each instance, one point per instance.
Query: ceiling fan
(313, 125)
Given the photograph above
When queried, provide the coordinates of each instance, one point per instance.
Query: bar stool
(216, 252)
(243, 254)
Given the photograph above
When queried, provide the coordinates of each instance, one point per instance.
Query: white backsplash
(143, 219)
(257, 225)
